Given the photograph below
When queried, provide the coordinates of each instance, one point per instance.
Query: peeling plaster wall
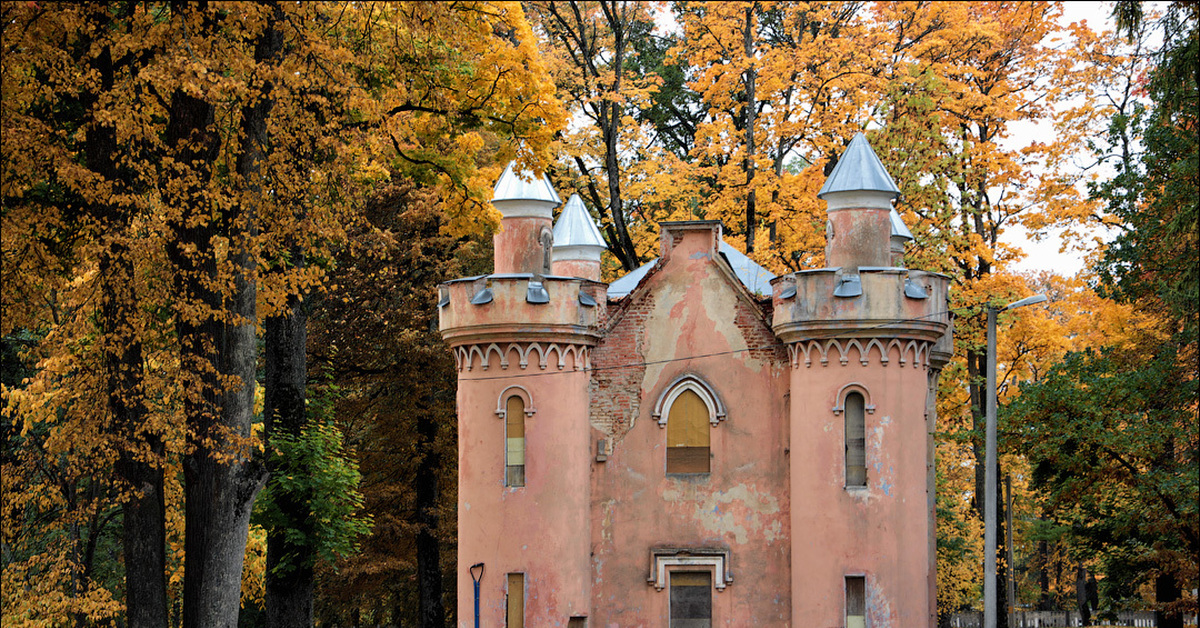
(691, 307)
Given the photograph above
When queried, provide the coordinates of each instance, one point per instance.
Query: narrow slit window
(514, 437)
(688, 435)
(691, 599)
(856, 602)
(856, 441)
(514, 616)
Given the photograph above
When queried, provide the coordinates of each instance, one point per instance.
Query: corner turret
(577, 242)
(900, 237)
(525, 238)
(859, 193)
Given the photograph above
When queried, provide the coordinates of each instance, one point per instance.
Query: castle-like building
(699, 443)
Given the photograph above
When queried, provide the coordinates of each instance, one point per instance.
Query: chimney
(526, 202)
(859, 195)
(577, 242)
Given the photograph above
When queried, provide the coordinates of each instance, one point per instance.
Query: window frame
(868, 408)
(682, 384)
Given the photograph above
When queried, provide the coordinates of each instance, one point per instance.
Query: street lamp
(989, 476)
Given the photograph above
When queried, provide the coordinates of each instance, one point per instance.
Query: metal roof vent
(482, 297)
(914, 291)
(850, 286)
(536, 293)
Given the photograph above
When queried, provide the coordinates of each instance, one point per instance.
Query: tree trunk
(289, 578)
(1044, 600)
(1081, 597)
(144, 539)
(288, 595)
(218, 355)
(432, 613)
(611, 129)
(750, 111)
(144, 512)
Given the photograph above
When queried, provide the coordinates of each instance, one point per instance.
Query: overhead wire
(830, 335)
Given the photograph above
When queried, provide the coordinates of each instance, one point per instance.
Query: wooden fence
(1060, 619)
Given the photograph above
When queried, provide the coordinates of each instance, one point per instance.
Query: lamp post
(989, 474)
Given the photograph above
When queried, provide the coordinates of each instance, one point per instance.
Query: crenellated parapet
(521, 307)
(862, 303)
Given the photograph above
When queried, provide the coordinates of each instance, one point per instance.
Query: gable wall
(690, 306)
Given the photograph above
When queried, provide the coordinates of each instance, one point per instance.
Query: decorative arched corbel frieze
(716, 408)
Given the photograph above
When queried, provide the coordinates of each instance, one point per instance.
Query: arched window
(514, 438)
(688, 434)
(856, 440)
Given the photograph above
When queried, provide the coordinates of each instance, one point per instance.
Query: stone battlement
(872, 302)
(521, 306)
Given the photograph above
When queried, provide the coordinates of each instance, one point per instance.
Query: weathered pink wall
(577, 268)
(517, 245)
(540, 529)
(881, 531)
(691, 307)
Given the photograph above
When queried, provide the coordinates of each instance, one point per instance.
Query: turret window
(514, 611)
(856, 441)
(856, 602)
(514, 437)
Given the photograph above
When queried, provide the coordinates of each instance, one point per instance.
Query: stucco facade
(600, 526)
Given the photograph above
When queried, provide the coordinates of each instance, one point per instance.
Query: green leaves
(314, 468)
(1112, 442)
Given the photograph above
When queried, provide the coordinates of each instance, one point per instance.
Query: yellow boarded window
(514, 437)
(516, 601)
(688, 435)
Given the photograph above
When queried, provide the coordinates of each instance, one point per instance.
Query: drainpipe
(476, 578)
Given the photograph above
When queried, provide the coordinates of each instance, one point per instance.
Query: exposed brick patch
(618, 367)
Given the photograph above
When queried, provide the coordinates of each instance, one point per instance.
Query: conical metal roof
(859, 170)
(898, 228)
(575, 226)
(524, 186)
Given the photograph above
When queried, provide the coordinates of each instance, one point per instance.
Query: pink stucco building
(699, 443)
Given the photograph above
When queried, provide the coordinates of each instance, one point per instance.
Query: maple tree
(593, 46)
(167, 186)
